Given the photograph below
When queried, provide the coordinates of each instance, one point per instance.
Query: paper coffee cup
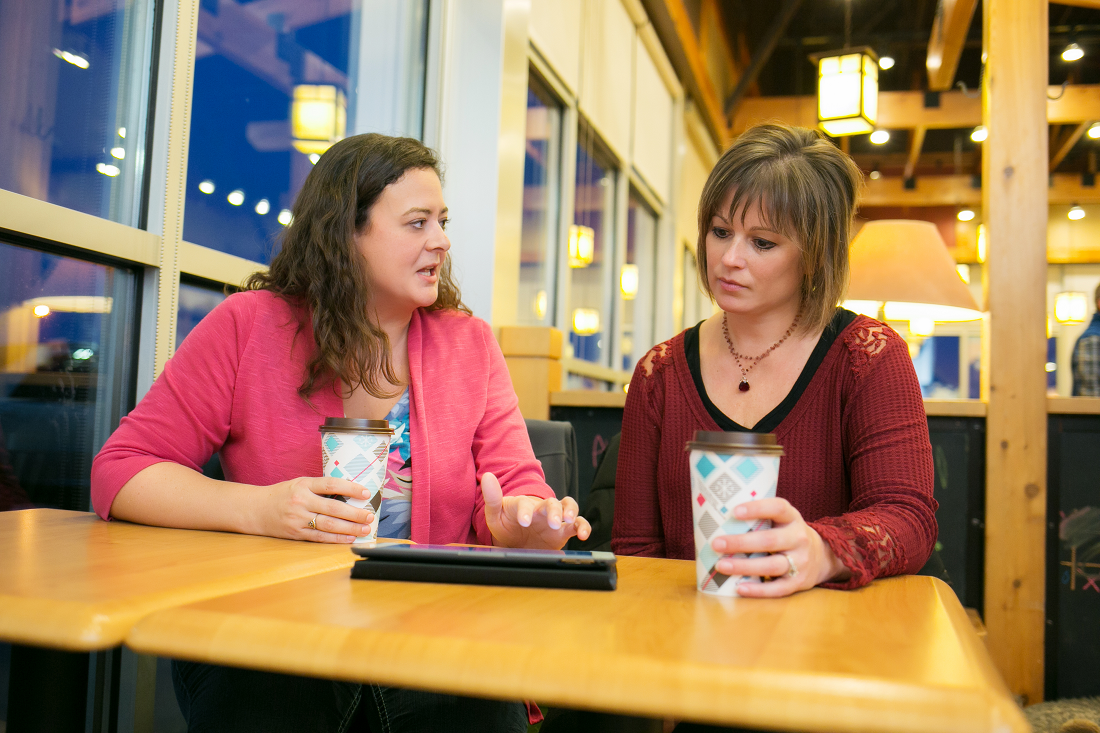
(358, 451)
(728, 469)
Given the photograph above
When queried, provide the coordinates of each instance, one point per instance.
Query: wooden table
(899, 655)
(71, 581)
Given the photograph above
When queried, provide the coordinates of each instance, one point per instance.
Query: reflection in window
(636, 282)
(66, 340)
(73, 102)
(591, 254)
(196, 302)
(540, 209)
(275, 85)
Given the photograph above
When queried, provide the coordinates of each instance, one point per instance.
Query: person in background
(1086, 356)
(358, 317)
(854, 499)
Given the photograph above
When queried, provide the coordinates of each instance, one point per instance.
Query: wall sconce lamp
(582, 246)
(1071, 307)
(586, 321)
(628, 282)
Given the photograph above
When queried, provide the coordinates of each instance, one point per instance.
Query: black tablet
(487, 566)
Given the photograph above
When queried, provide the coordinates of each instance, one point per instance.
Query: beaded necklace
(753, 360)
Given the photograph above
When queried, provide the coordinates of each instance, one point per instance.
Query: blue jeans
(214, 698)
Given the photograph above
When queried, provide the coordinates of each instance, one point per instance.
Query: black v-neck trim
(841, 319)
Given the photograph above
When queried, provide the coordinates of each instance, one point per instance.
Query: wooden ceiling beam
(916, 142)
(1065, 143)
(949, 31)
(1065, 188)
(906, 110)
(1095, 4)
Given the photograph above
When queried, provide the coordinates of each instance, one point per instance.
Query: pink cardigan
(232, 388)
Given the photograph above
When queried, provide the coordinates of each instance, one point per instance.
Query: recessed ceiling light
(1073, 52)
(886, 62)
(880, 137)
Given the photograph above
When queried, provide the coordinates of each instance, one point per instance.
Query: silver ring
(313, 524)
(792, 571)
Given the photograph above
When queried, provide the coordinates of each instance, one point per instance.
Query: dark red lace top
(857, 464)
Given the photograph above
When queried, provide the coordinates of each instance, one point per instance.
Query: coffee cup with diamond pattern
(358, 451)
(727, 469)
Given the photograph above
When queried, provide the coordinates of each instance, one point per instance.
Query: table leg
(47, 690)
(121, 696)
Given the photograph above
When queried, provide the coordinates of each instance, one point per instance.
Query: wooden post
(1014, 202)
(533, 356)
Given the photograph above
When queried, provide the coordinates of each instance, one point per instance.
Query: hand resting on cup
(790, 536)
(295, 503)
(530, 521)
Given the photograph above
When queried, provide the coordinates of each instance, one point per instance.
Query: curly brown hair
(320, 268)
(806, 188)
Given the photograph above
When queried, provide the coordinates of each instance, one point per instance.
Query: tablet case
(577, 578)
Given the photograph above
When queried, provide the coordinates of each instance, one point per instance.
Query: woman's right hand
(291, 505)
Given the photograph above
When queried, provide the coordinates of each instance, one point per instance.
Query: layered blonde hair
(807, 189)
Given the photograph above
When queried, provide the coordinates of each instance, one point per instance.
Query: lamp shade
(905, 265)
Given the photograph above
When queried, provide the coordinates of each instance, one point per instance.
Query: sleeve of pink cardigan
(890, 527)
(185, 416)
(501, 445)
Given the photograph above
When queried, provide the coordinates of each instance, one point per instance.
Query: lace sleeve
(865, 547)
(890, 525)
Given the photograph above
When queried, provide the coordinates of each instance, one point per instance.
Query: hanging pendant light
(847, 91)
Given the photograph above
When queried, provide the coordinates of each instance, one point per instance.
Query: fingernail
(740, 511)
(365, 528)
(554, 523)
(366, 493)
(525, 520)
(719, 545)
(570, 518)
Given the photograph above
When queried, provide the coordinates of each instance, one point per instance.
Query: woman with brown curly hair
(854, 498)
(358, 317)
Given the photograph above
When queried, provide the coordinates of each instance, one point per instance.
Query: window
(591, 253)
(196, 301)
(66, 334)
(74, 103)
(275, 85)
(636, 282)
(540, 209)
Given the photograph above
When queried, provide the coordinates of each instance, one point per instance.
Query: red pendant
(744, 386)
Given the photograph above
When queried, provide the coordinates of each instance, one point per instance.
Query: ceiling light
(965, 215)
(318, 117)
(964, 273)
(207, 186)
(880, 137)
(262, 207)
(122, 132)
(74, 59)
(1073, 52)
(1076, 213)
(886, 62)
(979, 134)
(285, 217)
(41, 311)
(313, 158)
(1094, 130)
(235, 197)
(107, 169)
(119, 153)
(847, 91)
(875, 175)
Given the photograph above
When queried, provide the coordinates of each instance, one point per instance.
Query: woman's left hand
(793, 544)
(530, 521)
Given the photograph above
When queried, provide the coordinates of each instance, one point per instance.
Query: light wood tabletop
(69, 580)
(899, 655)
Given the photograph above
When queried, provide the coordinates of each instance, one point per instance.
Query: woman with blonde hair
(854, 499)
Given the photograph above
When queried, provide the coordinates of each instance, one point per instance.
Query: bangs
(767, 190)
